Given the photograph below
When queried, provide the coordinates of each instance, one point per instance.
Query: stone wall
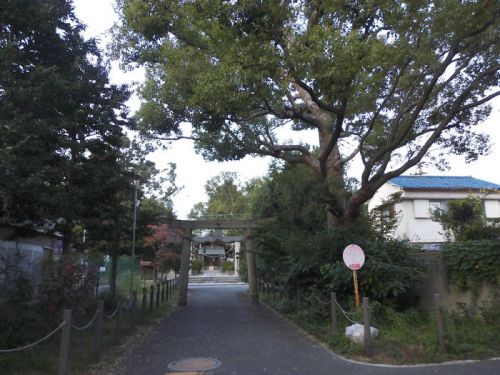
(454, 298)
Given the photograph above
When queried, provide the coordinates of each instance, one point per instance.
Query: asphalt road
(219, 322)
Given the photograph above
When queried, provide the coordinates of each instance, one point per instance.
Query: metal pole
(356, 289)
(132, 262)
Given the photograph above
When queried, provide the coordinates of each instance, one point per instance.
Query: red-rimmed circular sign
(354, 258)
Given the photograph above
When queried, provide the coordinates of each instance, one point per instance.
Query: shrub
(314, 261)
(196, 266)
(227, 267)
(69, 283)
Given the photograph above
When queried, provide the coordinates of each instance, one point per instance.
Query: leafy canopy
(464, 220)
(380, 81)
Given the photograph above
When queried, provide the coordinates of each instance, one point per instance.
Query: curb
(345, 359)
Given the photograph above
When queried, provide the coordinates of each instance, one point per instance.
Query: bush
(196, 266)
(69, 283)
(314, 261)
(471, 263)
(227, 267)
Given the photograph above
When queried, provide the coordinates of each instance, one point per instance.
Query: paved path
(219, 322)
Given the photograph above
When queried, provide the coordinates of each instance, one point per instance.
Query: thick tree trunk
(67, 238)
(333, 172)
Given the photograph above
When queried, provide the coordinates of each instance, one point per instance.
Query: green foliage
(62, 121)
(406, 337)
(196, 266)
(227, 266)
(464, 220)
(226, 197)
(384, 218)
(471, 263)
(293, 252)
(69, 284)
(389, 80)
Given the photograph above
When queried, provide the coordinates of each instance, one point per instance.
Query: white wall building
(421, 194)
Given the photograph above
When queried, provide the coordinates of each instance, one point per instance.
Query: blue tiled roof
(443, 182)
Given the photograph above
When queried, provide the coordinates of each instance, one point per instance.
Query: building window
(437, 205)
(434, 206)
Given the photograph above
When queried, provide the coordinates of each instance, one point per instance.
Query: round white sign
(354, 258)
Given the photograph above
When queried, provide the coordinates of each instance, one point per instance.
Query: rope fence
(113, 314)
(86, 325)
(28, 346)
(270, 289)
(366, 313)
(164, 291)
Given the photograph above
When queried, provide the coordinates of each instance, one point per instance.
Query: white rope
(346, 314)
(34, 343)
(86, 325)
(129, 305)
(320, 301)
(113, 314)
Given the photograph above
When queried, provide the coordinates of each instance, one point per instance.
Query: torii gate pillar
(184, 274)
(252, 269)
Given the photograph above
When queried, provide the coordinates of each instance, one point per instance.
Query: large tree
(382, 81)
(226, 197)
(61, 121)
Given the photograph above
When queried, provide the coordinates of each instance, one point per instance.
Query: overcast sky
(193, 171)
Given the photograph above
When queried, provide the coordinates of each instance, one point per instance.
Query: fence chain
(86, 325)
(34, 343)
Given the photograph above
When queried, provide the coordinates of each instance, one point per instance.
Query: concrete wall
(435, 281)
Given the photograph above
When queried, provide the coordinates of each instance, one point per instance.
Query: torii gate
(187, 226)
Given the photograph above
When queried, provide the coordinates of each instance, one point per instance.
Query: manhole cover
(194, 364)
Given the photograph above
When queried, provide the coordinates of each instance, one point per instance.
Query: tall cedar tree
(61, 121)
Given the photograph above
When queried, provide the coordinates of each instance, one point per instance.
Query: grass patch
(406, 337)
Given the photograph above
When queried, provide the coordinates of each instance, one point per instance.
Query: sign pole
(354, 258)
(356, 289)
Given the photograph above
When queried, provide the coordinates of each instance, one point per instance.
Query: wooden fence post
(133, 311)
(333, 303)
(439, 322)
(151, 298)
(367, 334)
(118, 323)
(162, 289)
(98, 331)
(65, 337)
(158, 295)
(143, 308)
